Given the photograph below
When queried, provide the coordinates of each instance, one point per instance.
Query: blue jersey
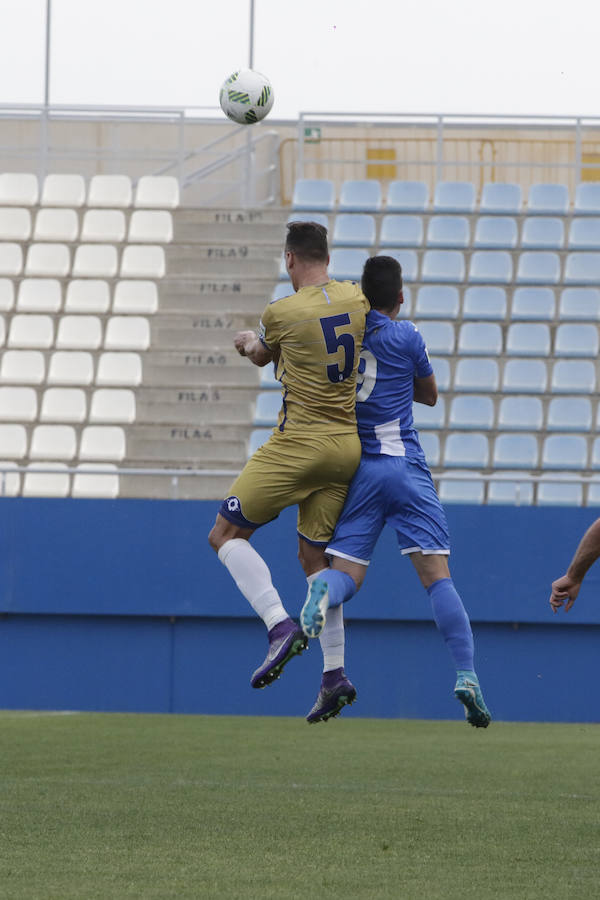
(393, 355)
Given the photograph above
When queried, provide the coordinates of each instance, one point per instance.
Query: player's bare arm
(247, 343)
(565, 589)
(425, 390)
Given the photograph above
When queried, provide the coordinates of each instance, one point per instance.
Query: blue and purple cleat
(336, 692)
(285, 641)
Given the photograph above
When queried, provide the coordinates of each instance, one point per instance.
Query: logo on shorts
(233, 504)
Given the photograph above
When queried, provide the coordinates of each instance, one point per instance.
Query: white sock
(252, 576)
(332, 639)
(311, 578)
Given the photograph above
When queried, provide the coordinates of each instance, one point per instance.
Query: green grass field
(111, 806)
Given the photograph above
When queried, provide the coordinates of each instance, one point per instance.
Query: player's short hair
(308, 240)
(382, 281)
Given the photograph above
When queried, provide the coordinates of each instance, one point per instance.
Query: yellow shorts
(312, 471)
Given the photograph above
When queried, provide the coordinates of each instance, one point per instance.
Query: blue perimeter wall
(121, 605)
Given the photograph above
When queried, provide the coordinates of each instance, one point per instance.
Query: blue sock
(453, 622)
(341, 586)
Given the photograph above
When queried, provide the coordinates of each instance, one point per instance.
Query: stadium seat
(510, 493)
(582, 268)
(543, 233)
(268, 406)
(407, 196)
(79, 333)
(119, 369)
(7, 294)
(53, 442)
(439, 301)
(576, 340)
(56, 225)
(480, 339)
(552, 493)
(70, 367)
(406, 308)
(353, 230)
(39, 295)
(46, 484)
(151, 226)
(580, 303)
(267, 380)
(401, 231)
(110, 191)
(87, 295)
(315, 194)
(564, 451)
(18, 189)
(448, 232)
(143, 261)
(63, 404)
(476, 375)
(439, 337)
(536, 303)
(443, 266)
(13, 440)
(548, 200)
(515, 451)
(95, 484)
(127, 333)
(569, 414)
(441, 370)
(525, 376)
(593, 494)
(282, 289)
(112, 405)
(490, 267)
(430, 444)
(471, 411)
(136, 297)
(63, 190)
(104, 226)
(454, 197)
(15, 224)
(157, 192)
(22, 367)
(102, 442)
(346, 263)
(469, 450)
(2, 331)
(584, 234)
(520, 413)
(573, 376)
(484, 303)
(468, 492)
(11, 259)
(95, 261)
(528, 339)
(258, 437)
(363, 195)
(408, 261)
(429, 416)
(495, 233)
(595, 459)
(300, 216)
(498, 198)
(52, 260)
(18, 404)
(31, 332)
(587, 199)
(538, 267)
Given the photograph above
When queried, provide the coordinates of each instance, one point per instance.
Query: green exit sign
(312, 135)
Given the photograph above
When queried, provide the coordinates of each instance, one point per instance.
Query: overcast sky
(468, 56)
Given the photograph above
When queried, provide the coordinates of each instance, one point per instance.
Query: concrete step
(202, 446)
(198, 368)
(226, 260)
(183, 487)
(198, 407)
(192, 296)
(180, 331)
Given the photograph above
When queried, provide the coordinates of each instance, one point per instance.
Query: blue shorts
(396, 491)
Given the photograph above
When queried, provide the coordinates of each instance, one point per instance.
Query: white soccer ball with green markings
(246, 96)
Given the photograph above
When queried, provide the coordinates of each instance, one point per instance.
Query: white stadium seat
(53, 260)
(143, 261)
(87, 295)
(151, 226)
(95, 261)
(71, 367)
(18, 404)
(10, 482)
(53, 442)
(56, 225)
(18, 189)
(7, 294)
(62, 404)
(110, 191)
(102, 442)
(104, 225)
(79, 333)
(63, 190)
(13, 441)
(135, 297)
(119, 369)
(22, 367)
(39, 295)
(11, 259)
(31, 332)
(46, 484)
(112, 405)
(127, 333)
(157, 192)
(15, 224)
(95, 484)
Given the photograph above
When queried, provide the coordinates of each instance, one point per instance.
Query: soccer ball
(246, 97)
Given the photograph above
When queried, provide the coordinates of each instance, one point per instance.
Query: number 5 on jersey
(333, 342)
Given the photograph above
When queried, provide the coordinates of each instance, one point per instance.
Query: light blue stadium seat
(584, 234)
(510, 493)
(454, 197)
(484, 303)
(515, 451)
(595, 460)
(499, 198)
(587, 199)
(441, 370)
(565, 451)
(448, 232)
(593, 495)
(548, 200)
(467, 492)
(543, 233)
(480, 339)
(573, 376)
(467, 450)
(471, 411)
(401, 231)
(406, 308)
(490, 267)
(315, 194)
(443, 266)
(439, 336)
(580, 303)
(268, 404)
(528, 339)
(495, 233)
(409, 262)
(319, 218)
(429, 416)
(525, 376)
(258, 437)
(520, 413)
(582, 268)
(538, 267)
(535, 303)
(353, 230)
(476, 375)
(267, 381)
(430, 444)
(569, 414)
(346, 263)
(283, 272)
(407, 196)
(363, 195)
(437, 301)
(282, 289)
(576, 340)
(554, 493)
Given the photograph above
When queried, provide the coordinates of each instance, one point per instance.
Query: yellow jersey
(316, 337)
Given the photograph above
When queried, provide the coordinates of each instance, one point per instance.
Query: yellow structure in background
(587, 161)
(381, 170)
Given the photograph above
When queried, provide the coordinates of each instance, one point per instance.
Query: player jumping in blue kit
(392, 485)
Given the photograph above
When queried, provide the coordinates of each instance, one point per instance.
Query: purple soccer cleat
(285, 640)
(336, 691)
